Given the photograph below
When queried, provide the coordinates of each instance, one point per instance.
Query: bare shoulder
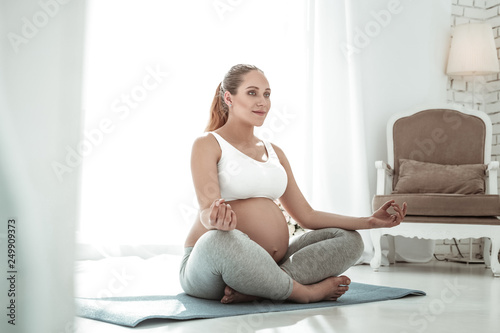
(206, 142)
(281, 154)
(206, 149)
(278, 151)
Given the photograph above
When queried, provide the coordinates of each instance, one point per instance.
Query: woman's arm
(380, 219)
(299, 209)
(214, 212)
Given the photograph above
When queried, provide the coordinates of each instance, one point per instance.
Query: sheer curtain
(151, 70)
(40, 96)
(337, 166)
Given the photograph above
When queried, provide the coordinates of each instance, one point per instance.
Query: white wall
(402, 47)
(402, 64)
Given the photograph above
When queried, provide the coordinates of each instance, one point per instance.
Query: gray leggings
(221, 258)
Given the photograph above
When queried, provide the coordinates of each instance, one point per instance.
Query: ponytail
(218, 111)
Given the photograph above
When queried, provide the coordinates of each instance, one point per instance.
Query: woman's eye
(254, 93)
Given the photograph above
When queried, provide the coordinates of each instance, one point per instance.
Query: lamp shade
(473, 50)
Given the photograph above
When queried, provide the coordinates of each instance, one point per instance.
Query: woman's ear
(228, 98)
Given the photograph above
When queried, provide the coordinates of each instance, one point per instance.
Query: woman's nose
(262, 101)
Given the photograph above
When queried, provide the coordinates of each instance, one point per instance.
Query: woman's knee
(217, 240)
(350, 239)
(355, 242)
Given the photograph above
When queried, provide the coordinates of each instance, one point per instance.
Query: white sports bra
(242, 177)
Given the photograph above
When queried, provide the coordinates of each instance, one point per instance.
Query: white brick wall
(486, 97)
(487, 88)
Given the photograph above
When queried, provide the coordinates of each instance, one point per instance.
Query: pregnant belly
(262, 220)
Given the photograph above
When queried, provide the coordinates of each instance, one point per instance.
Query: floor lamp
(472, 53)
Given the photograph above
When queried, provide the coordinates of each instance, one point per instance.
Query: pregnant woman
(238, 248)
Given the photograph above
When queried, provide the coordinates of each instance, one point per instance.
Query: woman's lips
(260, 113)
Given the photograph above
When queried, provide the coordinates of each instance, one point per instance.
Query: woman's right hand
(222, 216)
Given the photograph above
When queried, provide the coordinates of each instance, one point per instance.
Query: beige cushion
(444, 204)
(483, 220)
(421, 177)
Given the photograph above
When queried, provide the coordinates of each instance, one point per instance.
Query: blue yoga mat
(130, 311)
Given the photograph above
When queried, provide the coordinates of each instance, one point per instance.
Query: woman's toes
(345, 280)
(228, 291)
(228, 295)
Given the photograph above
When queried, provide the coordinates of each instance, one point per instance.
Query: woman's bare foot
(232, 296)
(330, 289)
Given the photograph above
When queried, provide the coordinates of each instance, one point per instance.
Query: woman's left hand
(382, 219)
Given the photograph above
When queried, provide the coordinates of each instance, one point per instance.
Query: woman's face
(252, 100)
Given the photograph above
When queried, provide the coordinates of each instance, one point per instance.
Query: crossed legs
(229, 266)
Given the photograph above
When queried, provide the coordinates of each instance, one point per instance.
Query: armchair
(439, 162)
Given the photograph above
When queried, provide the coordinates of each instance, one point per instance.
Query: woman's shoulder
(205, 138)
(280, 153)
(277, 149)
(206, 142)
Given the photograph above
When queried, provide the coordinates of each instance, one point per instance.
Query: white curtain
(40, 112)
(149, 81)
(338, 169)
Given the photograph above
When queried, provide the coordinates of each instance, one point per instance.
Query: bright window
(151, 69)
